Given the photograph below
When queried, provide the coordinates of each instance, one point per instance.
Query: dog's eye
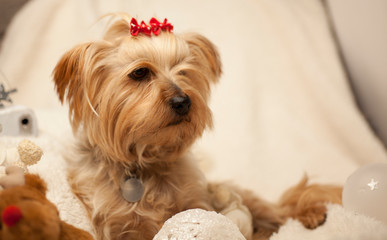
(140, 74)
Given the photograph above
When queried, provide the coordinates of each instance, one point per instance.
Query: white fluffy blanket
(283, 106)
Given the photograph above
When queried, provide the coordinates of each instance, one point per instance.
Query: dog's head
(138, 95)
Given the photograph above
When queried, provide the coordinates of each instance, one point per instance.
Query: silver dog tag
(132, 190)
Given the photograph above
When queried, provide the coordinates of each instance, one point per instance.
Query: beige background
(361, 28)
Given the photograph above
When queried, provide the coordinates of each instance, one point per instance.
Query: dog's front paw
(221, 196)
(229, 203)
(313, 216)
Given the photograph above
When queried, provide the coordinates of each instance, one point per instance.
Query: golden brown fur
(306, 203)
(127, 127)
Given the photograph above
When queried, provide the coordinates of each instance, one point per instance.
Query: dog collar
(132, 189)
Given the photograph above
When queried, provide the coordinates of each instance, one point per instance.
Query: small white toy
(365, 191)
(25, 154)
(15, 120)
(199, 224)
(18, 120)
(14, 176)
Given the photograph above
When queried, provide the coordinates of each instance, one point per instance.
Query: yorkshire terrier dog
(137, 102)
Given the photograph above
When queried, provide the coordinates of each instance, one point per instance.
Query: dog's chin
(177, 132)
(178, 121)
(175, 123)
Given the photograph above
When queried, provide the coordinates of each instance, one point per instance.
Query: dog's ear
(206, 53)
(67, 73)
(68, 77)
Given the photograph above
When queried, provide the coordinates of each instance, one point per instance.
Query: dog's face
(139, 96)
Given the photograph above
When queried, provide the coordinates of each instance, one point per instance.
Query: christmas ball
(199, 224)
(365, 191)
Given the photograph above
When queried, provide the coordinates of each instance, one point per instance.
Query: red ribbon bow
(155, 27)
(135, 29)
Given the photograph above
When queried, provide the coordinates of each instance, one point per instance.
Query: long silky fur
(126, 127)
(169, 188)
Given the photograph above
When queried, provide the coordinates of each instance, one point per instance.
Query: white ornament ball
(365, 191)
(199, 224)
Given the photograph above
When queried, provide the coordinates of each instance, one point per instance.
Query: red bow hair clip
(154, 27)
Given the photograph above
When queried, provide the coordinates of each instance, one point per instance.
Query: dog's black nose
(180, 104)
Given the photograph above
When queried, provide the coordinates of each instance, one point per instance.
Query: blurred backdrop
(285, 105)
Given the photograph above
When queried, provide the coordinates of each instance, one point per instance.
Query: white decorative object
(198, 224)
(25, 154)
(365, 191)
(17, 120)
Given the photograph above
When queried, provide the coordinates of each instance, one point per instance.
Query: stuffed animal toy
(26, 213)
(13, 177)
(25, 154)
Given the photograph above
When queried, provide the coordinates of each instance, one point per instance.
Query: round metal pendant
(132, 190)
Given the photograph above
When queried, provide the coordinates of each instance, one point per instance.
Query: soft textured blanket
(282, 108)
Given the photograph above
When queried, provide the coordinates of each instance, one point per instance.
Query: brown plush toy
(26, 213)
